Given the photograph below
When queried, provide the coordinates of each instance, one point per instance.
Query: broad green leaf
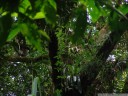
(39, 15)
(13, 32)
(94, 12)
(14, 14)
(80, 24)
(32, 9)
(24, 29)
(110, 6)
(53, 3)
(116, 24)
(35, 85)
(31, 33)
(83, 2)
(36, 15)
(124, 9)
(4, 13)
(50, 13)
(24, 6)
(36, 12)
(119, 12)
(37, 4)
(5, 26)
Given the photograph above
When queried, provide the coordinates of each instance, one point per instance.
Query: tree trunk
(53, 49)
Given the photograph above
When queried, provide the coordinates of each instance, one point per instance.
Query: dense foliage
(63, 47)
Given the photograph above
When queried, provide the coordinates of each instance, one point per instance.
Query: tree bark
(53, 49)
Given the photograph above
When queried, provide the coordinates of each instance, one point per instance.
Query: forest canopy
(63, 47)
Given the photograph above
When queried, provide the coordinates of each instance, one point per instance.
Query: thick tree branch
(26, 59)
(90, 72)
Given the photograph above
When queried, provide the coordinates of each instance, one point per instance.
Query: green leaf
(94, 12)
(44, 34)
(53, 3)
(5, 26)
(37, 4)
(124, 9)
(50, 13)
(110, 6)
(32, 9)
(116, 24)
(58, 92)
(13, 33)
(24, 28)
(80, 24)
(39, 15)
(14, 14)
(24, 6)
(35, 85)
(31, 33)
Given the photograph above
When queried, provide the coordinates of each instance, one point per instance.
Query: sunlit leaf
(24, 6)
(52, 2)
(39, 15)
(4, 13)
(13, 32)
(14, 14)
(31, 33)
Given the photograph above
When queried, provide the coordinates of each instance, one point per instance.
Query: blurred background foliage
(45, 41)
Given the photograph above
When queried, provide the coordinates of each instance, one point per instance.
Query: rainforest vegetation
(63, 47)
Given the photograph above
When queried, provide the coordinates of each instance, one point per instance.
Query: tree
(62, 45)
